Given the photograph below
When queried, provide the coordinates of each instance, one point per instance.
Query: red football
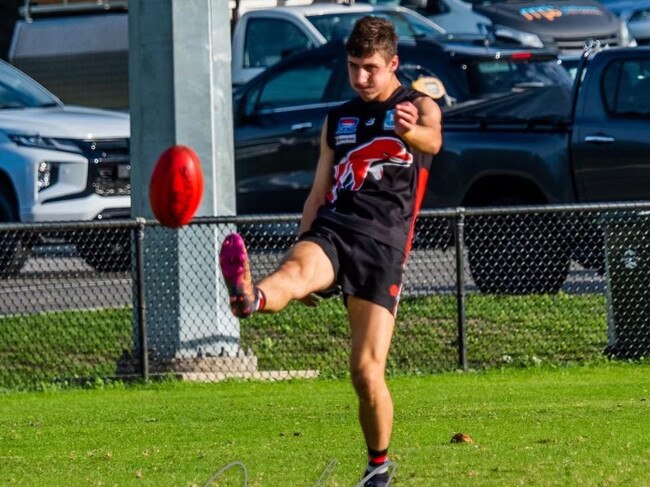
(176, 186)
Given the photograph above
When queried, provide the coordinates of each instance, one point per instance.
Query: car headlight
(524, 38)
(46, 175)
(38, 142)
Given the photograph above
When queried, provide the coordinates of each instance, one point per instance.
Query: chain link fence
(483, 288)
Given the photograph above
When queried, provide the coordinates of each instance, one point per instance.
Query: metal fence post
(460, 288)
(141, 301)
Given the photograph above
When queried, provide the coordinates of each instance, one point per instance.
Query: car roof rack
(29, 10)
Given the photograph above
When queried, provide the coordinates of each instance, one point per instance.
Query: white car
(57, 162)
(262, 37)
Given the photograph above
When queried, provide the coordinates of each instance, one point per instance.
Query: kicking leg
(304, 270)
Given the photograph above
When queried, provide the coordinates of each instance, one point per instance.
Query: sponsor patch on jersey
(389, 121)
(370, 121)
(346, 139)
(347, 126)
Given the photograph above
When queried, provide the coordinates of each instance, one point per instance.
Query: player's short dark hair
(371, 35)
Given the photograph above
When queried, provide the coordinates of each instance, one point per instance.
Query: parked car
(58, 163)
(278, 115)
(263, 37)
(635, 14)
(550, 145)
(455, 16)
(567, 23)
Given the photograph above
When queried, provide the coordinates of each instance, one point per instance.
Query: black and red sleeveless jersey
(379, 181)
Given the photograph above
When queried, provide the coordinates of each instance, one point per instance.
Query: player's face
(372, 77)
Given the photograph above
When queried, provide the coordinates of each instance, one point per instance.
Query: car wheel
(518, 254)
(106, 251)
(589, 239)
(14, 249)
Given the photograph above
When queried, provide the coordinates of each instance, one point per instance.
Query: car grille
(109, 166)
(578, 44)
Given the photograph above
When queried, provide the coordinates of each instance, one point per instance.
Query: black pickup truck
(547, 145)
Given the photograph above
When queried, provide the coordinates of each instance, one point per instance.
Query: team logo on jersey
(370, 158)
(370, 121)
(347, 126)
(389, 121)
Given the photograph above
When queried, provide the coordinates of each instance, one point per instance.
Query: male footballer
(357, 222)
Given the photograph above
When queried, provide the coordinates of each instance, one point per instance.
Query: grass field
(531, 426)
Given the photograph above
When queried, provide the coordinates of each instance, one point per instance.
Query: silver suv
(57, 162)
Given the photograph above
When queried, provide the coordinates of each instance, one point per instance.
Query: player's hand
(406, 117)
(311, 300)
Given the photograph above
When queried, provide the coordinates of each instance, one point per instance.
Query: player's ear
(394, 63)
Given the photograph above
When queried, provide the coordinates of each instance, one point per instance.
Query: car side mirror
(244, 111)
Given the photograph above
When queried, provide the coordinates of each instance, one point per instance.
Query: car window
(610, 85)
(268, 40)
(19, 91)
(301, 84)
(501, 76)
(626, 85)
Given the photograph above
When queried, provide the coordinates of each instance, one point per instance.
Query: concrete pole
(180, 93)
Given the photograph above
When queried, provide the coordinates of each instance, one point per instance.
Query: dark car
(568, 23)
(279, 114)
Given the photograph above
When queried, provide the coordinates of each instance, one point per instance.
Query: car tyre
(14, 248)
(106, 251)
(517, 254)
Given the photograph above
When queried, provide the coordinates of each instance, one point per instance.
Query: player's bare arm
(419, 123)
(322, 182)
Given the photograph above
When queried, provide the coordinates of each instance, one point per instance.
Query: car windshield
(20, 91)
(338, 26)
(504, 75)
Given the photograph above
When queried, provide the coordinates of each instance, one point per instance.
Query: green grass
(45, 347)
(517, 330)
(537, 426)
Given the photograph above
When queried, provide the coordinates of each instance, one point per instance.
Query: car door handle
(299, 127)
(599, 139)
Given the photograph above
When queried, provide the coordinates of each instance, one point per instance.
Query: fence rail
(483, 287)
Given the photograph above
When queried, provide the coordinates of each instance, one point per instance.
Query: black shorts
(364, 267)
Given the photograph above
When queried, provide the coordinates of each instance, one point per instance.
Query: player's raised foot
(380, 477)
(236, 271)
